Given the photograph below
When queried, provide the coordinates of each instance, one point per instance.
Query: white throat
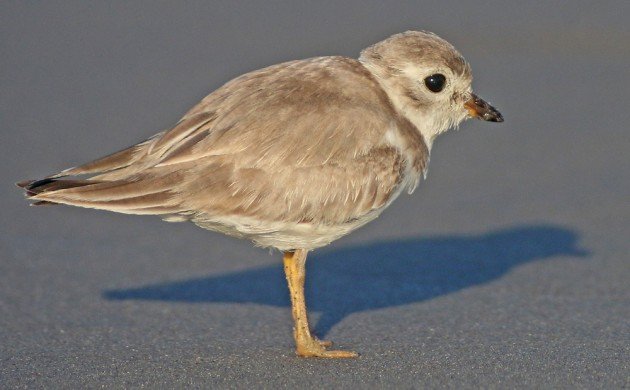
(426, 124)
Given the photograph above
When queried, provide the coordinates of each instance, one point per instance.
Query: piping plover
(292, 156)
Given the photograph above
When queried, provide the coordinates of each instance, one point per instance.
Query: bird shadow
(383, 274)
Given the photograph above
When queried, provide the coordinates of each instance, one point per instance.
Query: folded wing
(302, 141)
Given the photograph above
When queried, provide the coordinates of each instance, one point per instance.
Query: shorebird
(292, 156)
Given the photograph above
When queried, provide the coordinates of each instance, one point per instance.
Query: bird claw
(317, 348)
(324, 343)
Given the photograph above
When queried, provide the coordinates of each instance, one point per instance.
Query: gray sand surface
(508, 267)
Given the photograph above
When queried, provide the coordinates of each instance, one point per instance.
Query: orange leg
(306, 344)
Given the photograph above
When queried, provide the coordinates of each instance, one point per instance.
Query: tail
(125, 182)
(114, 188)
(32, 188)
(141, 195)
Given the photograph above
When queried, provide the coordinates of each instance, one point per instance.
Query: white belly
(286, 235)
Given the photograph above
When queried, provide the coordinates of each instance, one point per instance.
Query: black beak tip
(497, 118)
(492, 115)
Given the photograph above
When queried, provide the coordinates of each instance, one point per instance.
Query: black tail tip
(34, 187)
(24, 183)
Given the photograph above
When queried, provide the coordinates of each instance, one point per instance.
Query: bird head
(427, 80)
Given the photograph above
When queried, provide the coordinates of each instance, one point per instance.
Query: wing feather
(303, 141)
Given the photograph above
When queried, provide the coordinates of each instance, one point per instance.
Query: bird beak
(480, 109)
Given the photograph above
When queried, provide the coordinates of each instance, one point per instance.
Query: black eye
(435, 82)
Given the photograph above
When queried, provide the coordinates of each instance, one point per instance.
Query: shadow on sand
(383, 274)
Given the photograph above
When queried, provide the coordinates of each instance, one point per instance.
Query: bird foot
(312, 347)
(324, 343)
